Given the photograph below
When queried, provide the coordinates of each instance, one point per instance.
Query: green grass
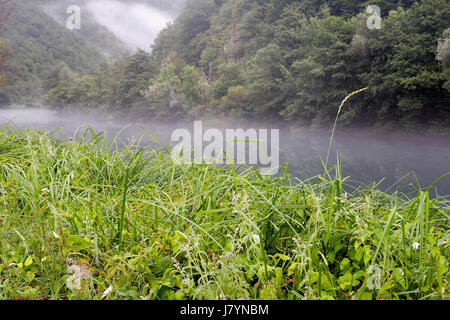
(132, 220)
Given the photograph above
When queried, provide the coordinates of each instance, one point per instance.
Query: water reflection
(365, 156)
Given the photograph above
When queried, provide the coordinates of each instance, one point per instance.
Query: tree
(265, 77)
(405, 79)
(137, 72)
(295, 60)
(230, 75)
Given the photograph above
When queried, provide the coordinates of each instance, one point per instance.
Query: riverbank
(79, 221)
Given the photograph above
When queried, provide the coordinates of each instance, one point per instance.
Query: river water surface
(366, 156)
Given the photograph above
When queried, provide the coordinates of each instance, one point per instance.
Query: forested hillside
(279, 59)
(293, 60)
(36, 46)
(97, 34)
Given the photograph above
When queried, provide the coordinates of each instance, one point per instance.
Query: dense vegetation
(80, 220)
(97, 220)
(293, 60)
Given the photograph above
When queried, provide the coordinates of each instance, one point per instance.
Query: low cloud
(136, 24)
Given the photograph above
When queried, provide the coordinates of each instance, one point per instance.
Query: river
(366, 156)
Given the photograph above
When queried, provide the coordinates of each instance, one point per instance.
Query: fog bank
(136, 24)
(366, 156)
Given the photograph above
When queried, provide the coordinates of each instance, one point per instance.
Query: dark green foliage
(139, 69)
(303, 57)
(194, 20)
(230, 76)
(117, 84)
(293, 60)
(404, 70)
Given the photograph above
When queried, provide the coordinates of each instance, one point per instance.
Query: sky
(136, 24)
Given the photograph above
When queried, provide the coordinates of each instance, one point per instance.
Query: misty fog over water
(366, 156)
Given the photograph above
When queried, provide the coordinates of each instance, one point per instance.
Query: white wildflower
(256, 238)
(176, 263)
(416, 245)
(107, 292)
